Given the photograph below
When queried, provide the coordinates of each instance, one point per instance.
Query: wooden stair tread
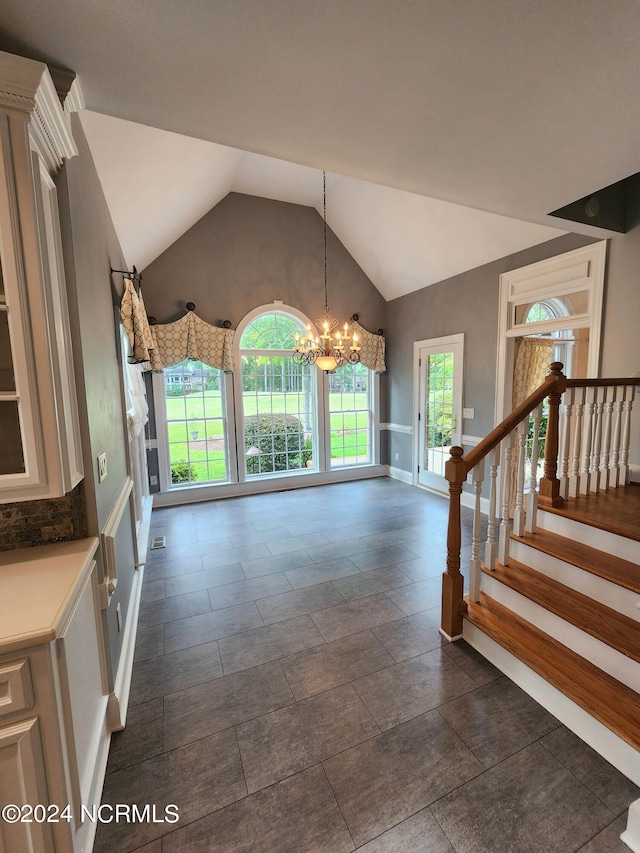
(613, 704)
(618, 631)
(610, 568)
(616, 510)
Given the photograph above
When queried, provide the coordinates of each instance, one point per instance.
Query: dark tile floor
(291, 692)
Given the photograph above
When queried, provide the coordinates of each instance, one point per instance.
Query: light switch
(468, 413)
(102, 467)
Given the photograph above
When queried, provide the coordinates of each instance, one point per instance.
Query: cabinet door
(22, 782)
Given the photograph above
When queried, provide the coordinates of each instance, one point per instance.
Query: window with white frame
(194, 408)
(278, 405)
(351, 415)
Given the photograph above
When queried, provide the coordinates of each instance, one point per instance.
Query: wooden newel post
(549, 483)
(452, 580)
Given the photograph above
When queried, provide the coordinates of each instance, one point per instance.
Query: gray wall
(90, 248)
(247, 252)
(465, 303)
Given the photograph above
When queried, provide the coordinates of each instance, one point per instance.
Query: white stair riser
(610, 543)
(616, 597)
(599, 737)
(609, 660)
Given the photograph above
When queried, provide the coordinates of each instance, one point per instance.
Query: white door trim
(580, 269)
(417, 346)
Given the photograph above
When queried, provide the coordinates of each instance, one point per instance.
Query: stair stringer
(607, 744)
(606, 658)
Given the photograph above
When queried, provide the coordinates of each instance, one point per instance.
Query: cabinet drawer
(16, 692)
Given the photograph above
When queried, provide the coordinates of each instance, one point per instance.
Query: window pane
(7, 379)
(11, 458)
(195, 423)
(278, 398)
(438, 415)
(350, 416)
(568, 305)
(271, 331)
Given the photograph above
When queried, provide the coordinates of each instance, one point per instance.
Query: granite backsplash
(30, 523)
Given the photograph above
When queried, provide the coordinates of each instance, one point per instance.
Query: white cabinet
(54, 736)
(40, 452)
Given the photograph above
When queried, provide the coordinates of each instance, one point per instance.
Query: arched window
(278, 403)
(539, 312)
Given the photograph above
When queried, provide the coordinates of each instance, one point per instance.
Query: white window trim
(238, 482)
(275, 307)
(570, 272)
(162, 436)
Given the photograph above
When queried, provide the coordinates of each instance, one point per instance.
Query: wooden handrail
(511, 421)
(601, 383)
(458, 466)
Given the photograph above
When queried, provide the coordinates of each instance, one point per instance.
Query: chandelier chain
(324, 220)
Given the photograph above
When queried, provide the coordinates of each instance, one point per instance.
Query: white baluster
(518, 513)
(532, 497)
(617, 432)
(605, 471)
(505, 525)
(476, 562)
(597, 439)
(629, 393)
(574, 479)
(585, 479)
(566, 442)
(491, 546)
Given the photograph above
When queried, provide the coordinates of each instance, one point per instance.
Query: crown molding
(27, 88)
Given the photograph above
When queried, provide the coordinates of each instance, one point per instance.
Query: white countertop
(39, 588)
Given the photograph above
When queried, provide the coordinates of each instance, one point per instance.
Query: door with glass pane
(439, 407)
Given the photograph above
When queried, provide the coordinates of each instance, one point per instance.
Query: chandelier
(327, 350)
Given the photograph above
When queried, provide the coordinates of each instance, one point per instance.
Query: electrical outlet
(397, 457)
(468, 413)
(102, 467)
(153, 480)
(119, 617)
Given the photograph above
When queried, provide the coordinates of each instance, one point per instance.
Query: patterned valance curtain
(372, 348)
(531, 366)
(191, 337)
(134, 320)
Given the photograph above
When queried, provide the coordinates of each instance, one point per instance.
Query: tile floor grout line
(337, 802)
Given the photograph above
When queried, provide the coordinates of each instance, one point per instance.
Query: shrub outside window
(278, 398)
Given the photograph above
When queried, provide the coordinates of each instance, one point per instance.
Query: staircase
(563, 621)
(554, 588)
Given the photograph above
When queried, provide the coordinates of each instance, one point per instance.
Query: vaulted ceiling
(449, 129)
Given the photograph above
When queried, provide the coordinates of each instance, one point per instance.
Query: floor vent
(158, 542)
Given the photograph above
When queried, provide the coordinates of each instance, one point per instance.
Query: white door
(439, 413)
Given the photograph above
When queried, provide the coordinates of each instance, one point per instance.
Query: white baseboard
(631, 836)
(86, 834)
(400, 474)
(587, 728)
(469, 500)
(119, 697)
(195, 494)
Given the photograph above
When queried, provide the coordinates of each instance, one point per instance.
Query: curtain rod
(135, 275)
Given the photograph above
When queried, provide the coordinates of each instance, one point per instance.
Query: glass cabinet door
(11, 452)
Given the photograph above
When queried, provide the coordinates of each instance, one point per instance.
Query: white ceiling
(158, 184)
(503, 107)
